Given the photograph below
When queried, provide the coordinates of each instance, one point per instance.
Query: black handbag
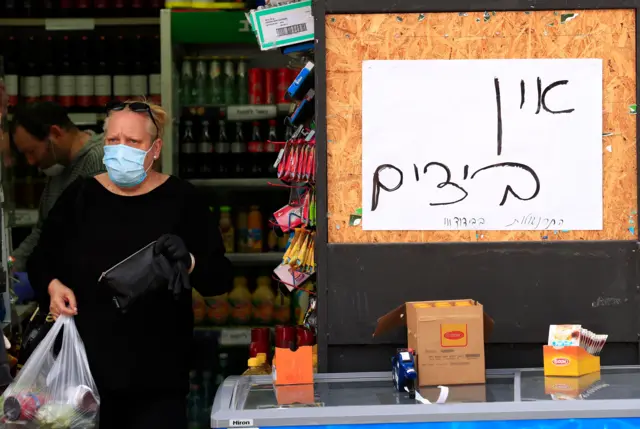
(37, 328)
(141, 273)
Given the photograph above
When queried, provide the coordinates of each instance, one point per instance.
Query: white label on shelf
(32, 86)
(240, 423)
(235, 337)
(66, 85)
(102, 85)
(138, 86)
(57, 24)
(48, 85)
(11, 84)
(84, 85)
(122, 86)
(251, 112)
(155, 86)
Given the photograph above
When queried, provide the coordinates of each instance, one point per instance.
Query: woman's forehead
(126, 121)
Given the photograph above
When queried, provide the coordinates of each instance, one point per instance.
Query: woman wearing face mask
(140, 359)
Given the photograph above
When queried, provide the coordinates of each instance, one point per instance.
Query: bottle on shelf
(12, 71)
(66, 74)
(254, 225)
(226, 229)
(48, 80)
(222, 150)
(199, 96)
(255, 150)
(242, 83)
(208, 395)
(187, 151)
(229, 83)
(155, 84)
(239, 153)
(240, 301)
(242, 231)
(215, 82)
(31, 88)
(263, 301)
(85, 81)
(271, 150)
(122, 70)
(139, 74)
(186, 81)
(205, 153)
(102, 80)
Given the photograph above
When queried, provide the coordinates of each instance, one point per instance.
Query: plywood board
(606, 34)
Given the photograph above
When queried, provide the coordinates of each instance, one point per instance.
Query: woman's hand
(63, 300)
(174, 249)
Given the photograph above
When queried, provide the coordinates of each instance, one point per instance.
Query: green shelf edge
(216, 27)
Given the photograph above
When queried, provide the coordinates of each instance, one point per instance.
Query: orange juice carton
(572, 351)
(447, 337)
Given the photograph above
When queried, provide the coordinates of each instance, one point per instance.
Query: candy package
(55, 388)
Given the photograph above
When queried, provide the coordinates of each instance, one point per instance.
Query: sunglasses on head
(134, 106)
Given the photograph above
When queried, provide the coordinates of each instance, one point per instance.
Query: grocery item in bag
(54, 390)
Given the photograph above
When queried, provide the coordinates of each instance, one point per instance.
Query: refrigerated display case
(512, 398)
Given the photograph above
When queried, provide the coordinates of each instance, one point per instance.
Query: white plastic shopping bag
(54, 391)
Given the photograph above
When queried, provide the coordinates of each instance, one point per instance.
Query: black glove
(173, 248)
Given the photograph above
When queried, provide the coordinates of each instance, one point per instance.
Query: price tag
(235, 337)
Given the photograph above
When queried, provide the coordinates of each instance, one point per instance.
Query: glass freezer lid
(376, 389)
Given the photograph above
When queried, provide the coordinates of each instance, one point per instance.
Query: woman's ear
(157, 148)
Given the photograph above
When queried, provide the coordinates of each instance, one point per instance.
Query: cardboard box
(447, 337)
(569, 361)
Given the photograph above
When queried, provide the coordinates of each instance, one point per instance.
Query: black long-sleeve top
(89, 230)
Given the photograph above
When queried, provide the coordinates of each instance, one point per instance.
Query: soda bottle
(256, 149)
(187, 151)
(102, 80)
(238, 153)
(205, 153)
(270, 150)
(200, 83)
(11, 69)
(139, 72)
(186, 81)
(32, 88)
(85, 81)
(229, 84)
(66, 75)
(48, 79)
(222, 150)
(242, 83)
(215, 82)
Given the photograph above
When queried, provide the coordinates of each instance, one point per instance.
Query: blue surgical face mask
(125, 164)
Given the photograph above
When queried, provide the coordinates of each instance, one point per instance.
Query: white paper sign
(482, 144)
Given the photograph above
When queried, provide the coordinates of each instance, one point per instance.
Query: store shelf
(237, 183)
(243, 113)
(66, 24)
(195, 6)
(195, 26)
(256, 258)
(82, 119)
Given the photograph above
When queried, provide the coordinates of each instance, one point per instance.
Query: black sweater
(89, 230)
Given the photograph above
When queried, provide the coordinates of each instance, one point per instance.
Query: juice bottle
(255, 368)
(218, 309)
(282, 310)
(240, 301)
(254, 225)
(263, 298)
(282, 242)
(226, 229)
(272, 241)
(243, 231)
(199, 307)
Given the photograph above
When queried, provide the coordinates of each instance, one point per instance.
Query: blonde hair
(158, 113)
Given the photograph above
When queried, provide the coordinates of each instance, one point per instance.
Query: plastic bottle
(254, 225)
(262, 361)
(240, 301)
(255, 368)
(272, 241)
(263, 300)
(226, 229)
(282, 310)
(218, 309)
(243, 232)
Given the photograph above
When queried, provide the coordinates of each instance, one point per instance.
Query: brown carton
(447, 337)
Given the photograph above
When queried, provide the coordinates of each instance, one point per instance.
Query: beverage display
(222, 151)
(256, 150)
(77, 69)
(239, 153)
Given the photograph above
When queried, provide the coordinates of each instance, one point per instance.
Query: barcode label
(292, 29)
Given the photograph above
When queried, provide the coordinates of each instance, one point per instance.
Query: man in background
(48, 139)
